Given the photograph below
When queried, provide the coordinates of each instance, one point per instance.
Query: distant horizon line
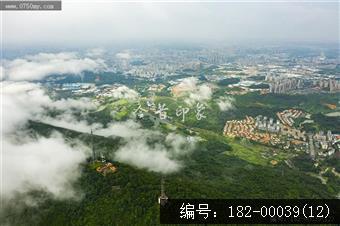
(170, 43)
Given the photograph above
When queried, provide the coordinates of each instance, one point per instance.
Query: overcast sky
(98, 23)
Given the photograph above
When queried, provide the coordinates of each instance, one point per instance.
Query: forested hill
(129, 196)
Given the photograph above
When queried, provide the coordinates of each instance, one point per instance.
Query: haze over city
(101, 23)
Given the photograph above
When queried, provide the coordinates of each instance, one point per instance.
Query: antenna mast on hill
(162, 199)
(92, 147)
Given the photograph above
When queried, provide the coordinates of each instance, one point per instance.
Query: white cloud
(125, 129)
(22, 101)
(136, 150)
(138, 153)
(2, 73)
(201, 94)
(95, 52)
(159, 157)
(188, 84)
(68, 121)
(225, 103)
(42, 163)
(46, 163)
(35, 67)
(52, 165)
(78, 104)
(180, 145)
(124, 92)
(123, 55)
(194, 92)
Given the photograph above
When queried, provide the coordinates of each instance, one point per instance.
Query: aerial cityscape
(107, 130)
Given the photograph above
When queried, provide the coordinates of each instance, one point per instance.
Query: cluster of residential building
(246, 128)
(152, 71)
(281, 133)
(323, 144)
(284, 85)
(267, 124)
(287, 116)
(330, 85)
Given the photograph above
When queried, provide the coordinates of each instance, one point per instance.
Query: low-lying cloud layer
(95, 52)
(29, 163)
(138, 153)
(194, 91)
(124, 92)
(50, 163)
(225, 103)
(39, 66)
(162, 157)
(2, 73)
(22, 101)
(123, 55)
(143, 148)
